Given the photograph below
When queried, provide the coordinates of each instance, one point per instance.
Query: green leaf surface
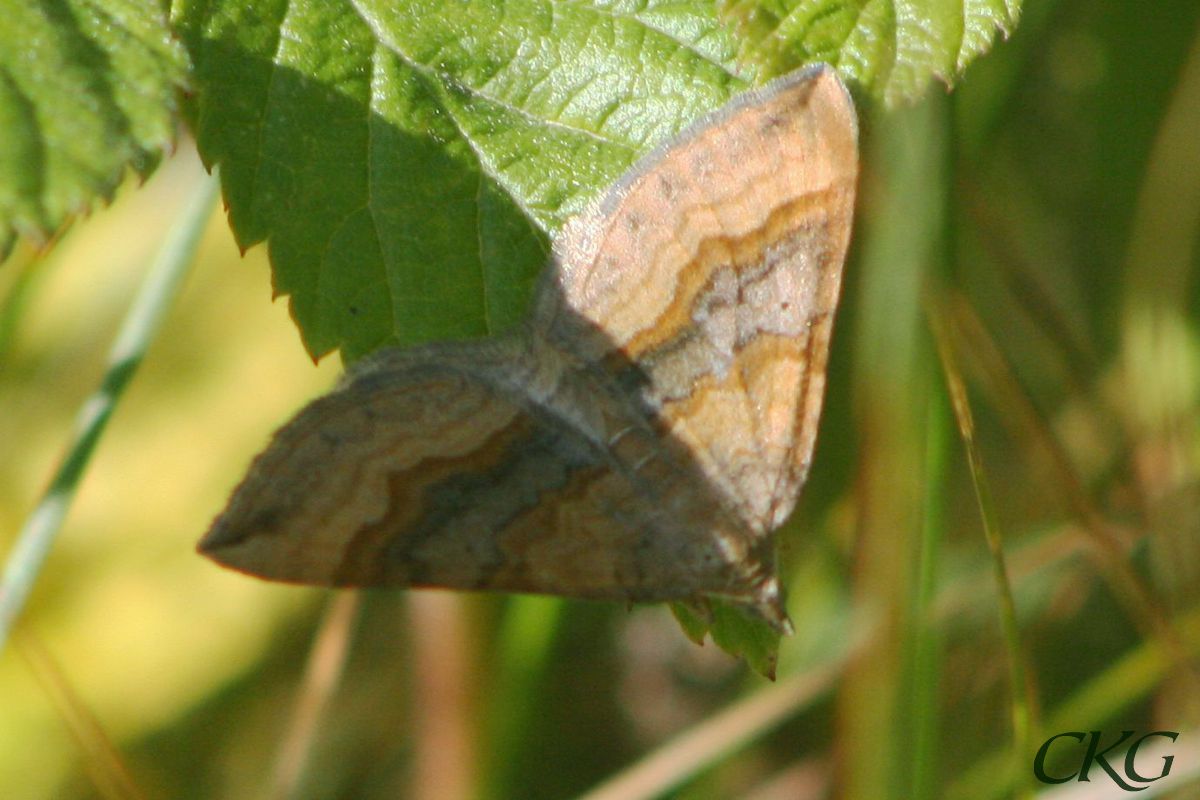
(734, 630)
(408, 161)
(87, 88)
(891, 48)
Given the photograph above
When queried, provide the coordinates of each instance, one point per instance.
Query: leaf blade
(503, 120)
(891, 48)
(87, 89)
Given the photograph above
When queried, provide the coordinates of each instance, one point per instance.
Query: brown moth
(645, 432)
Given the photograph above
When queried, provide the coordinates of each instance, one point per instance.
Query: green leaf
(740, 634)
(733, 629)
(892, 48)
(694, 619)
(87, 88)
(408, 161)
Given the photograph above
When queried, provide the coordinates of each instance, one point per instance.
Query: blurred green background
(1043, 217)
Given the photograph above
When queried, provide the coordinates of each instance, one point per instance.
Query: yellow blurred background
(138, 622)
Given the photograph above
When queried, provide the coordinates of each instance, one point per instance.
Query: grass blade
(157, 292)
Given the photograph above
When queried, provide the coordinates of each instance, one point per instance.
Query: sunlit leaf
(408, 161)
(892, 48)
(87, 88)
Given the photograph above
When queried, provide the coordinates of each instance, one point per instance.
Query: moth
(644, 433)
